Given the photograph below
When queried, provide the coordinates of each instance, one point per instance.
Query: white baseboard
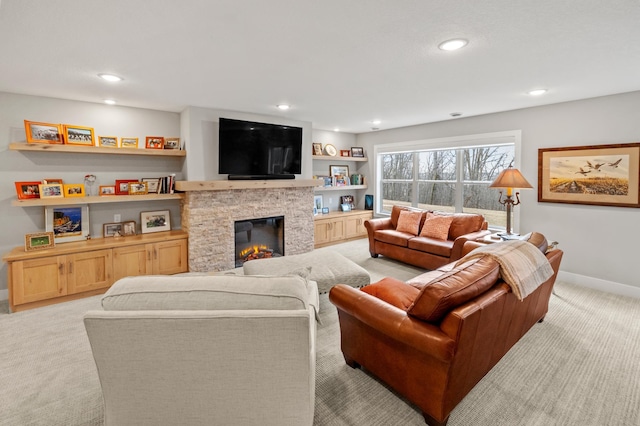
(599, 284)
(4, 294)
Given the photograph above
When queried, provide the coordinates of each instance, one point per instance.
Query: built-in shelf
(338, 158)
(45, 147)
(94, 200)
(341, 188)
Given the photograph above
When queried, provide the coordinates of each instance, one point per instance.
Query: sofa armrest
(456, 250)
(373, 225)
(393, 322)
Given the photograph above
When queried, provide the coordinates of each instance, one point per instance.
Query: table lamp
(510, 178)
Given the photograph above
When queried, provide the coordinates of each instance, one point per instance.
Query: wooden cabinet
(338, 227)
(84, 268)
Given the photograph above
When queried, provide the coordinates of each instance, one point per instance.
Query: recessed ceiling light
(376, 122)
(283, 107)
(110, 77)
(336, 130)
(454, 44)
(109, 102)
(537, 92)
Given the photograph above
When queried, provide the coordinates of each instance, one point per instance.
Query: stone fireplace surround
(210, 208)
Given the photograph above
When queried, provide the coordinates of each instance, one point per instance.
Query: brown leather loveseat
(423, 238)
(433, 338)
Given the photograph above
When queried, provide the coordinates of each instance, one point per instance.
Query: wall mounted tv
(250, 150)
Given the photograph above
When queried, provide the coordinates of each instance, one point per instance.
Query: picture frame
(609, 175)
(330, 150)
(38, 241)
(42, 132)
(345, 207)
(153, 185)
(325, 210)
(108, 141)
(339, 171)
(53, 180)
(110, 230)
(154, 142)
(155, 221)
(73, 190)
(68, 223)
(51, 190)
(138, 188)
(345, 153)
(368, 202)
(122, 186)
(317, 204)
(128, 142)
(357, 151)
(172, 143)
(347, 199)
(27, 190)
(129, 228)
(107, 190)
(317, 148)
(78, 135)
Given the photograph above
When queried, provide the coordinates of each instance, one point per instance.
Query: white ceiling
(339, 63)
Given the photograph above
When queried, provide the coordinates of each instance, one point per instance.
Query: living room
(598, 241)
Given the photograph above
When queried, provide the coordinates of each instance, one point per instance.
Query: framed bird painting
(603, 175)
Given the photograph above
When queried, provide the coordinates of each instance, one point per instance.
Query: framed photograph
(154, 142)
(368, 202)
(325, 210)
(68, 223)
(78, 135)
(345, 153)
(42, 132)
(357, 151)
(347, 199)
(73, 190)
(603, 175)
(157, 221)
(26, 190)
(129, 228)
(317, 148)
(153, 185)
(107, 190)
(317, 204)
(53, 180)
(330, 150)
(51, 190)
(122, 186)
(128, 142)
(326, 180)
(112, 230)
(138, 188)
(108, 141)
(172, 143)
(339, 171)
(345, 207)
(38, 241)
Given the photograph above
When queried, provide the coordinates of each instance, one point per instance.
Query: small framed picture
(107, 190)
(138, 188)
(68, 223)
(317, 204)
(339, 171)
(317, 148)
(357, 151)
(129, 228)
(153, 185)
(172, 143)
(122, 186)
(156, 221)
(325, 210)
(108, 141)
(345, 153)
(78, 135)
(26, 190)
(345, 207)
(51, 190)
(53, 180)
(38, 241)
(73, 190)
(347, 199)
(128, 142)
(42, 132)
(154, 142)
(112, 230)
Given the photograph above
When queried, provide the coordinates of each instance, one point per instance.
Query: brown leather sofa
(434, 355)
(419, 250)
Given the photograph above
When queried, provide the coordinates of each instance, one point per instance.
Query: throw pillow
(436, 227)
(409, 222)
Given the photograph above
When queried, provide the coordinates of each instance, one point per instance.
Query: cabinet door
(321, 231)
(132, 261)
(89, 271)
(38, 279)
(352, 226)
(337, 230)
(170, 257)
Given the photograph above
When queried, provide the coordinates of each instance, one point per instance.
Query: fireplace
(258, 239)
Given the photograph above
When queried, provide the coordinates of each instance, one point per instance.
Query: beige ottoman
(327, 268)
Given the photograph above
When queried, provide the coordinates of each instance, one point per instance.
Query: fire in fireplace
(258, 239)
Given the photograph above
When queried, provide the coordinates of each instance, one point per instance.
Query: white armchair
(206, 350)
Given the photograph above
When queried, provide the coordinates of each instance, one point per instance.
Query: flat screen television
(250, 150)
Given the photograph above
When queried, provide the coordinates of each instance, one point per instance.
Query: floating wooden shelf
(341, 188)
(93, 200)
(45, 147)
(338, 158)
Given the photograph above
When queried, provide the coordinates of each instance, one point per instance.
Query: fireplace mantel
(225, 185)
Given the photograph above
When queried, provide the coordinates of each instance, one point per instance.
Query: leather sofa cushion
(409, 222)
(462, 223)
(431, 245)
(436, 227)
(393, 291)
(454, 288)
(391, 236)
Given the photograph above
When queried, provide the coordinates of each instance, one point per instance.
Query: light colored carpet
(581, 366)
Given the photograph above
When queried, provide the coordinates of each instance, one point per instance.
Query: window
(445, 179)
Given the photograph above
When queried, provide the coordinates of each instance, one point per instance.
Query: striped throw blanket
(522, 265)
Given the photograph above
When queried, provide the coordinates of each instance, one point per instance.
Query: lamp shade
(510, 178)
